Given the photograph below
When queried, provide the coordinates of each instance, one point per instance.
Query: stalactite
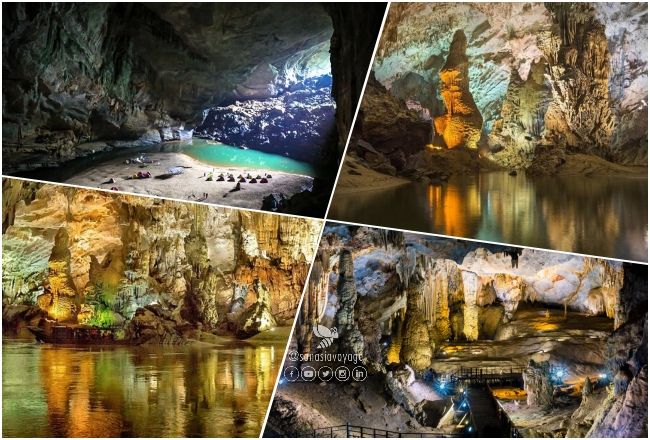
(406, 265)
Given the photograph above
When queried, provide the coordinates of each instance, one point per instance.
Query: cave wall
(547, 79)
(131, 252)
(356, 29)
(422, 291)
(80, 78)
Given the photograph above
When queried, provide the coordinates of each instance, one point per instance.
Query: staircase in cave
(488, 419)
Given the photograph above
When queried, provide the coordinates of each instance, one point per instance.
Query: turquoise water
(222, 155)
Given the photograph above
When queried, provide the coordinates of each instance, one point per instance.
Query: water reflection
(110, 392)
(594, 215)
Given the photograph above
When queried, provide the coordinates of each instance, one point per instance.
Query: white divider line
(356, 113)
(151, 196)
(320, 236)
(293, 328)
(498, 243)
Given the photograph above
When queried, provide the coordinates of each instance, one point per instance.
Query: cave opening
(244, 104)
(285, 109)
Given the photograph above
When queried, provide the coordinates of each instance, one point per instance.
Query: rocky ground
(297, 410)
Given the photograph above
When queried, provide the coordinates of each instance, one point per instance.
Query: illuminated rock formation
(461, 125)
(194, 262)
(437, 305)
(538, 385)
(60, 300)
(579, 65)
(416, 349)
(515, 135)
(548, 80)
(258, 318)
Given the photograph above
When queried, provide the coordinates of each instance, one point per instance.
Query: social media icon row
(325, 374)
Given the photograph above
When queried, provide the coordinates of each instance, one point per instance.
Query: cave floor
(362, 404)
(576, 342)
(192, 183)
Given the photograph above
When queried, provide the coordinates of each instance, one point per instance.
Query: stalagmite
(461, 125)
(416, 350)
(351, 340)
(471, 288)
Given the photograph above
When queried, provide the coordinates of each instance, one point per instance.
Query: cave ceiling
(176, 59)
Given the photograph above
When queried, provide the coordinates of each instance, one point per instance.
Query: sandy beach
(357, 177)
(192, 184)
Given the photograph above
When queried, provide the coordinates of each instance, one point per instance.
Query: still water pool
(208, 152)
(221, 155)
(605, 216)
(51, 391)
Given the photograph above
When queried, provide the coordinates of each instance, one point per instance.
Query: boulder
(258, 317)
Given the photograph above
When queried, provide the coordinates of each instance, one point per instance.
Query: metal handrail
(356, 431)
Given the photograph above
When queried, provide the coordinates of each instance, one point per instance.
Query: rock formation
(351, 340)
(461, 125)
(579, 114)
(423, 307)
(548, 80)
(297, 122)
(521, 119)
(389, 126)
(192, 262)
(538, 385)
(416, 349)
(258, 318)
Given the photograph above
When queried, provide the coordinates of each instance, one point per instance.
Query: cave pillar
(538, 384)
(471, 287)
(60, 300)
(416, 349)
(351, 340)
